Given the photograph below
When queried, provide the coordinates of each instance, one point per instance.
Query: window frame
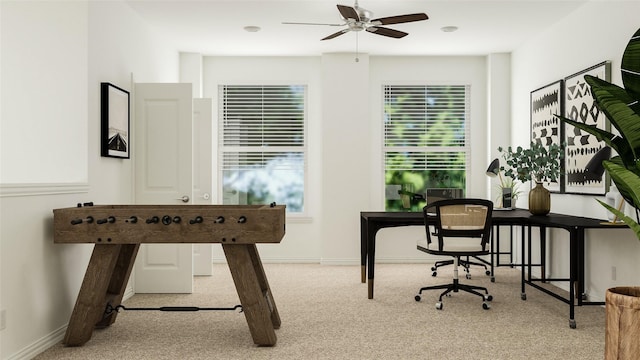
(423, 149)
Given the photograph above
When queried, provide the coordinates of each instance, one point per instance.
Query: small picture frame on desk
(506, 199)
(115, 121)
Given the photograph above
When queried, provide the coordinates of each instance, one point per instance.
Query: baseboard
(51, 339)
(341, 262)
(218, 260)
(40, 345)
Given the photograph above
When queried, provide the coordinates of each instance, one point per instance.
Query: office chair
(436, 194)
(462, 228)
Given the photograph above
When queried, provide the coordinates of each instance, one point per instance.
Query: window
(262, 145)
(426, 143)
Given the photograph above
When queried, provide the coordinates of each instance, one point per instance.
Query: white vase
(614, 199)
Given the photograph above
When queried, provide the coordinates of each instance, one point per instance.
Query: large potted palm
(622, 108)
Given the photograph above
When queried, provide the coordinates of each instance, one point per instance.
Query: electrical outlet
(613, 273)
(3, 319)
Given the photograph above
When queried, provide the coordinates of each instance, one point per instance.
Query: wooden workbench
(118, 230)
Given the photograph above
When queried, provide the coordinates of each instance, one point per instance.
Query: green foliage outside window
(425, 130)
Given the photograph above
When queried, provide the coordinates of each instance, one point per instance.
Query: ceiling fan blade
(348, 12)
(400, 19)
(306, 23)
(336, 34)
(387, 32)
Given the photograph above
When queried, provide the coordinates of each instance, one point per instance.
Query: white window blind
(426, 127)
(262, 142)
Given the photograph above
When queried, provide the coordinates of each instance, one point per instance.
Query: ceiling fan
(358, 19)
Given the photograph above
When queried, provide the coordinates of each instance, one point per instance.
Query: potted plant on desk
(622, 108)
(534, 164)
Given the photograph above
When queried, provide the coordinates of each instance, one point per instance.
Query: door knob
(184, 199)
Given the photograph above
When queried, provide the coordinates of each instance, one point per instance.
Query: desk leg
(543, 254)
(580, 268)
(573, 272)
(371, 256)
(104, 281)
(523, 294)
(363, 250)
(253, 290)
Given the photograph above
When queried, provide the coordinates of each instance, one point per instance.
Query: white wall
(302, 242)
(596, 32)
(45, 108)
(54, 56)
(345, 143)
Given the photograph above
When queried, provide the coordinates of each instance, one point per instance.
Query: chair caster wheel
(488, 297)
(487, 272)
(493, 279)
(468, 276)
(572, 324)
(434, 274)
(433, 268)
(439, 306)
(418, 297)
(523, 296)
(486, 306)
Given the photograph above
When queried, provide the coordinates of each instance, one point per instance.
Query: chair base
(456, 287)
(465, 263)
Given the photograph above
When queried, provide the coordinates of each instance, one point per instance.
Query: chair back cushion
(462, 226)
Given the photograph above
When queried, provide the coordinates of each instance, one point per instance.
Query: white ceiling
(216, 27)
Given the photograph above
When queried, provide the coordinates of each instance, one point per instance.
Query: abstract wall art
(580, 145)
(546, 102)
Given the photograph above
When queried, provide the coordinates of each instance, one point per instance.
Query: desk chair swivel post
(463, 228)
(465, 263)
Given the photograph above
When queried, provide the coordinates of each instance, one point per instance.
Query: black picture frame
(115, 121)
(582, 146)
(546, 129)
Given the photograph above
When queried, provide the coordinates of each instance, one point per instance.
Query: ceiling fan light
(449, 28)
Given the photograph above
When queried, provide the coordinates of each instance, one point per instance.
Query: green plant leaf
(627, 182)
(618, 144)
(614, 102)
(630, 67)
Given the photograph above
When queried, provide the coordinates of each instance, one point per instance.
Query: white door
(163, 175)
(202, 172)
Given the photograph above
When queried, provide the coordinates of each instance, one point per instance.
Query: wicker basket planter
(622, 324)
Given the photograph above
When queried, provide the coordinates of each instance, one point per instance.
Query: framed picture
(115, 121)
(581, 146)
(546, 129)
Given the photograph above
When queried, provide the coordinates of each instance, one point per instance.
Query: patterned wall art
(581, 146)
(546, 102)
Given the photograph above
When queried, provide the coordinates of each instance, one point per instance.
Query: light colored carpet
(326, 315)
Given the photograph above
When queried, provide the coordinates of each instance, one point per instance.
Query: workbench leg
(264, 285)
(90, 304)
(119, 279)
(254, 293)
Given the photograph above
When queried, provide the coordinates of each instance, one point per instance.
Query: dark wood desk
(371, 222)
